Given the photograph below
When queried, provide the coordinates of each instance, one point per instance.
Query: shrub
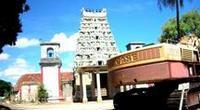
(42, 94)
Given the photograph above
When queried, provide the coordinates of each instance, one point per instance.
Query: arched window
(50, 53)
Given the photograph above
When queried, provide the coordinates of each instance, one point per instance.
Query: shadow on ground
(2, 107)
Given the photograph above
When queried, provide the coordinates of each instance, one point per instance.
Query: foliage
(189, 24)
(169, 3)
(10, 24)
(42, 94)
(173, 4)
(5, 89)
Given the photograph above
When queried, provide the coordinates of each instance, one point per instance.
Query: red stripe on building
(60, 83)
(41, 74)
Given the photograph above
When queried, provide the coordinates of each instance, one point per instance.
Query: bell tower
(50, 64)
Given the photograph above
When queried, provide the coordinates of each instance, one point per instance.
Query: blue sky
(59, 20)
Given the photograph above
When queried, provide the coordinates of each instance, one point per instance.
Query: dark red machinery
(172, 70)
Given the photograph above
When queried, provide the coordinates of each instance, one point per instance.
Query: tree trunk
(177, 20)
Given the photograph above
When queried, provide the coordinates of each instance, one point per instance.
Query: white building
(57, 84)
(96, 42)
(95, 45)
(50, 69)
(134, 45)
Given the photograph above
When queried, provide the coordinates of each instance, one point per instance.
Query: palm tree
(172, 4)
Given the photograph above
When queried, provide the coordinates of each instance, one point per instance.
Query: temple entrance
(104, 85)
(93, 83)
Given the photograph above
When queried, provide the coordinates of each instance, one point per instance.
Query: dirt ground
(93, 105)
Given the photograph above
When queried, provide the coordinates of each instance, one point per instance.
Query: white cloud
(67, 44)
(25, 42)
(4, 56)
(16, 69)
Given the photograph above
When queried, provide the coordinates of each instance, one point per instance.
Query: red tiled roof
(67, 76)
(28, 78)
(35, 78)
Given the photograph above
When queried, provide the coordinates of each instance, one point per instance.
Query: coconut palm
(173, 4)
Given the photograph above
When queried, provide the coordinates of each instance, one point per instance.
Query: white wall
(25, 95)
(50, 81)
(133, 47)
(24, 92)
(67, 92)
(33, 92)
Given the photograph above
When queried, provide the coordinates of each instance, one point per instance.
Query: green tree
(5, 89)
(173, 4)
(10, 24)
(190, 24)
(42, 94)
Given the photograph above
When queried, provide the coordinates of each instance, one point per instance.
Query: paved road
(104, 105)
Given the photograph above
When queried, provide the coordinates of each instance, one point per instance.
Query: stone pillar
(191, 71)
(121, 88)
(127, 87)
(99, 98)
(131, 86)
(84, 89)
